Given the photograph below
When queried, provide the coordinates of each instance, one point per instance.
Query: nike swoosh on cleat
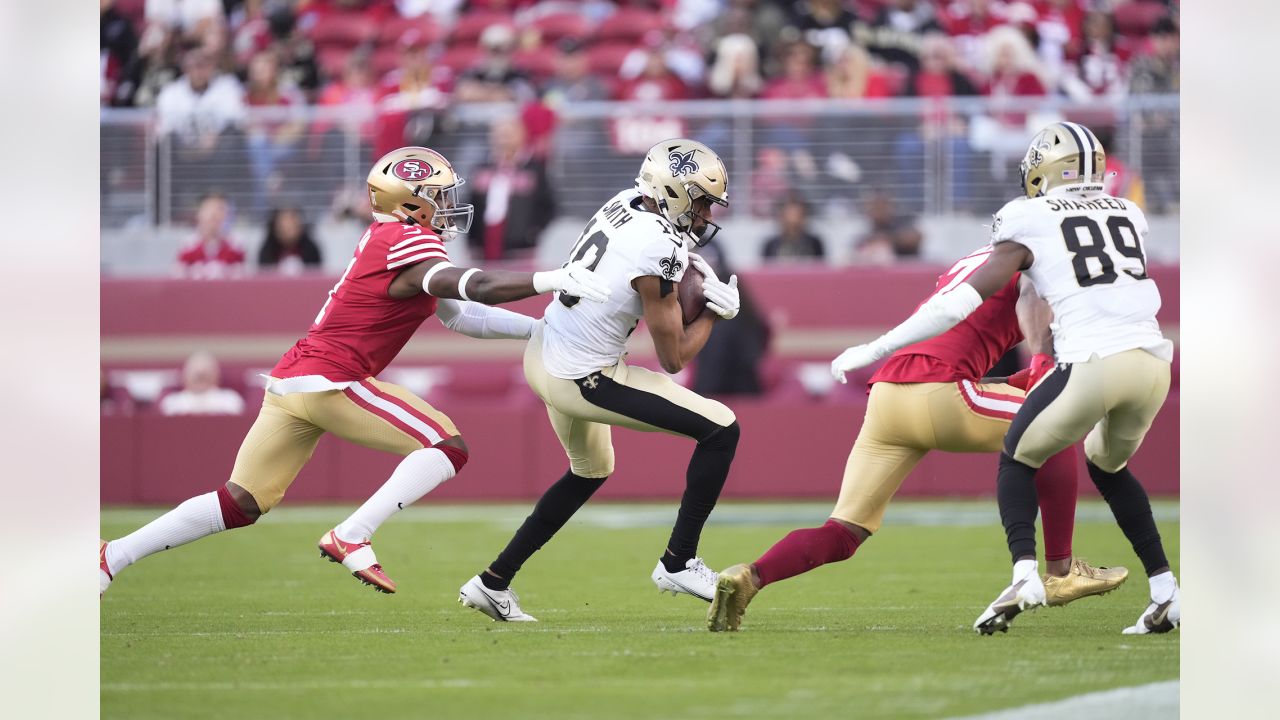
(1160, 617)
(687, 589)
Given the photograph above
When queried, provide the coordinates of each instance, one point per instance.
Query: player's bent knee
(725, 438)
(455, 448)
(238, 506)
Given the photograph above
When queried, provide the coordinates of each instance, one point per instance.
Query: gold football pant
(582, 411)
(906, 420)
(377, 415)
(1110, 402)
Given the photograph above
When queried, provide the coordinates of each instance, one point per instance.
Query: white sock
(1162, 586)
(418, 474)
(192, 520)
(1023, 569)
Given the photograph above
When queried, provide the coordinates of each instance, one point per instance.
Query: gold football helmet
(676, 173)
(1064, 153)
(417, 185)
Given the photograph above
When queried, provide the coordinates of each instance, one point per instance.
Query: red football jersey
(361, 328)
(968, 350)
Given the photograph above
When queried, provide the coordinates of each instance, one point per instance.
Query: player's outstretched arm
(441, 279)
(675, 343)
(941, 312)
(484, 322)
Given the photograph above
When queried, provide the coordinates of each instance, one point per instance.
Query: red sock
(803, 550)
(232, 515)
(1057, 488)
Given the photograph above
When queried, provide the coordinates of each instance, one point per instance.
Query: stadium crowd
(229, 54)
(204, 64)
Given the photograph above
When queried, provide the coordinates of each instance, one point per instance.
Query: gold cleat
(1082, 581)
(734, 590)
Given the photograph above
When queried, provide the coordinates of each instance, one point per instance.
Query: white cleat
(1026, 594)
(501, 605)
(696, 579)
(1158, 617)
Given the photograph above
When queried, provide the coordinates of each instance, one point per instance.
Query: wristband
(543, 282)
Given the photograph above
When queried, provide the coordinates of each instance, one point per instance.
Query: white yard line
(1140, 702)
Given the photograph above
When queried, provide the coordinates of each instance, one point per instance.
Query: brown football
(692, 302)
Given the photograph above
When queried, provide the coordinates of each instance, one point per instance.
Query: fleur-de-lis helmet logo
(682, 163)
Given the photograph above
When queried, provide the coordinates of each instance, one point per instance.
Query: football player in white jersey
(1083, 250)
(639, 244)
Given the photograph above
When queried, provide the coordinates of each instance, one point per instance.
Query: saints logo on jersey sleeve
(671, 266)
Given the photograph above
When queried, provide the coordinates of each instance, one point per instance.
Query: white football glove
(722, 298)
(854, 358)
(573, 279)
(698, 262)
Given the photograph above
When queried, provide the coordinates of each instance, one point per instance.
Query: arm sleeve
(937, 315)
(483, 321)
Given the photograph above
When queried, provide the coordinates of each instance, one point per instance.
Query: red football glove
(1027, 378)
(1041, 364)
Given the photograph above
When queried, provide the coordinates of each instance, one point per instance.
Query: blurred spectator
(201, 104)
(413, 97)
(212, 254)
(853, 74)
(729, 364)
(200, 393)
(1157, 71)
(655, 82)
(184, 15)
(288, 246)
(1014, 71)
(793, 239)
(763, 20)
(794, 133)
(939, 74)
(273, 138)
(573, 81)
(890, 237)
(298, 65)
(356, 91)
(735, 71)
(967, 22)
(119, 63)
(113, 400)
(896, 33)
(824, 24)
(1099, 71)
(495, 78)
(512, 195)
(800, 78)
(1056, 26)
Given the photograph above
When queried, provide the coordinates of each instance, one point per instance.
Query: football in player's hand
(692, 302)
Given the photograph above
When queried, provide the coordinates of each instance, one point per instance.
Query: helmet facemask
(685, 220)
(451, 216)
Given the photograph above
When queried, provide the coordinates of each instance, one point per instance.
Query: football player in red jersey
(399, 276)
(930, 396)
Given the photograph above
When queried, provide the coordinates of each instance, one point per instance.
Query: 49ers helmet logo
(412, 169)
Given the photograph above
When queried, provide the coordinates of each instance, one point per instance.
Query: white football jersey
(1091, 267)
(621, 242)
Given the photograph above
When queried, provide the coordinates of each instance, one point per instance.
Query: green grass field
(252, 623)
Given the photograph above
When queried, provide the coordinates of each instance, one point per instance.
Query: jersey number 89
(1125, 243)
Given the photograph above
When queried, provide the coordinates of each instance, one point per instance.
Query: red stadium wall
(792, 446)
